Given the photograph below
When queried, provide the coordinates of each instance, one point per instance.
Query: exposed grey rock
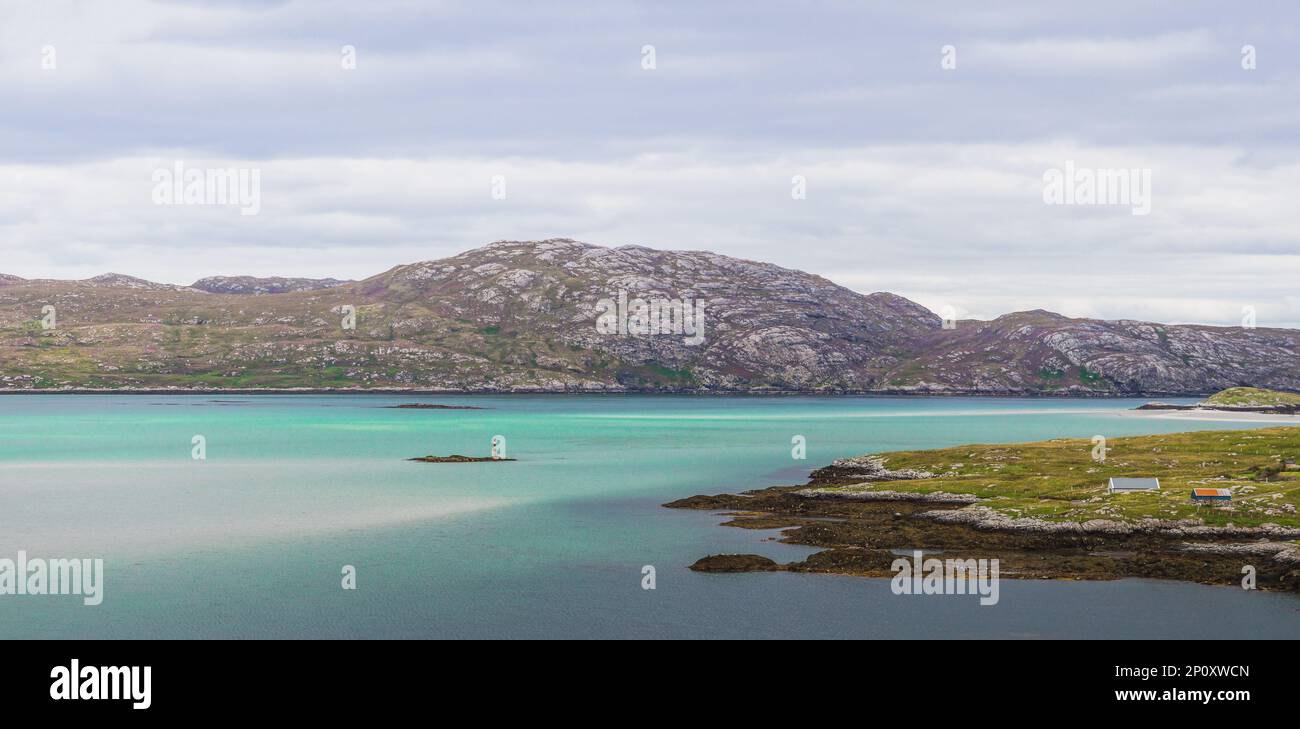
(937, 497)
(253, 286)
(1286, 552)
(1264, 548)
(118, 280)
(982, 517)
(872, 468)
(1042, 352)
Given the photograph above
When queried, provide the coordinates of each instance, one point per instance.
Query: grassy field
(1253, 397)
(1059, 480)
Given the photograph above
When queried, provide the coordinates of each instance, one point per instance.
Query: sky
(888, 146)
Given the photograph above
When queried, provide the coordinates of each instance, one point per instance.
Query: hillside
(521, 316)
(256, 286)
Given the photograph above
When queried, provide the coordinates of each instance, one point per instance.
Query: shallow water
(250, 541)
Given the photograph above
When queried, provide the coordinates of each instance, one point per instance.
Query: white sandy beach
(1217, 416)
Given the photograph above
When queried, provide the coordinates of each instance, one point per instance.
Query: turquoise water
(250, 542)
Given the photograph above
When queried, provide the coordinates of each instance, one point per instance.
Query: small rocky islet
(1041, 509)
(431, 406)
(456, 458)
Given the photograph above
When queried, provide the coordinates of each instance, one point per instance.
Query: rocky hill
(254, 286)
(1253, 398)
(122, 281)
(1039, 351)
(523, 316)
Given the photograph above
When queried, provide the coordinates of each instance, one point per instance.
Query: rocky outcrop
(1287, 552)
(865, 468)
(866, 538)
(847, 493)
(122, 281)
(984, 518)
(735, 563)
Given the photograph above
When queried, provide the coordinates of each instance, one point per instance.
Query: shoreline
(863, 538)
(1218, 416)
(860, 513)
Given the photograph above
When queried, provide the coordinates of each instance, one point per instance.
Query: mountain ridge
(522, 316)
(262, 285)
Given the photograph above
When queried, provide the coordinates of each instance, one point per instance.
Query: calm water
(250, 542)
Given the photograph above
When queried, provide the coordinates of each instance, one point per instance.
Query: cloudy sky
(922, 180)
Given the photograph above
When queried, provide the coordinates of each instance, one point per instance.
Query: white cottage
(1127, 485)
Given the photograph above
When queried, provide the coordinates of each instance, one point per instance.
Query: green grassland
(1059, 480)
(1253, 397)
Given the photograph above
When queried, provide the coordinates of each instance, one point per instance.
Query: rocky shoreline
(862, 532)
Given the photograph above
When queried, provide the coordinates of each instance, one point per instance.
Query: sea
(299, 516)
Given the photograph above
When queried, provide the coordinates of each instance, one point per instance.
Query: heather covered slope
(1038, 351)
(522, 316)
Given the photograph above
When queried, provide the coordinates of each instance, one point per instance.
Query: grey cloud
(921, 181)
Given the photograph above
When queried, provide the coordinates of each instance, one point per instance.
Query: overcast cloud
(922, 181)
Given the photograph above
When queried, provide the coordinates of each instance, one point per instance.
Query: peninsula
(1241, 400)
(1044, 509)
